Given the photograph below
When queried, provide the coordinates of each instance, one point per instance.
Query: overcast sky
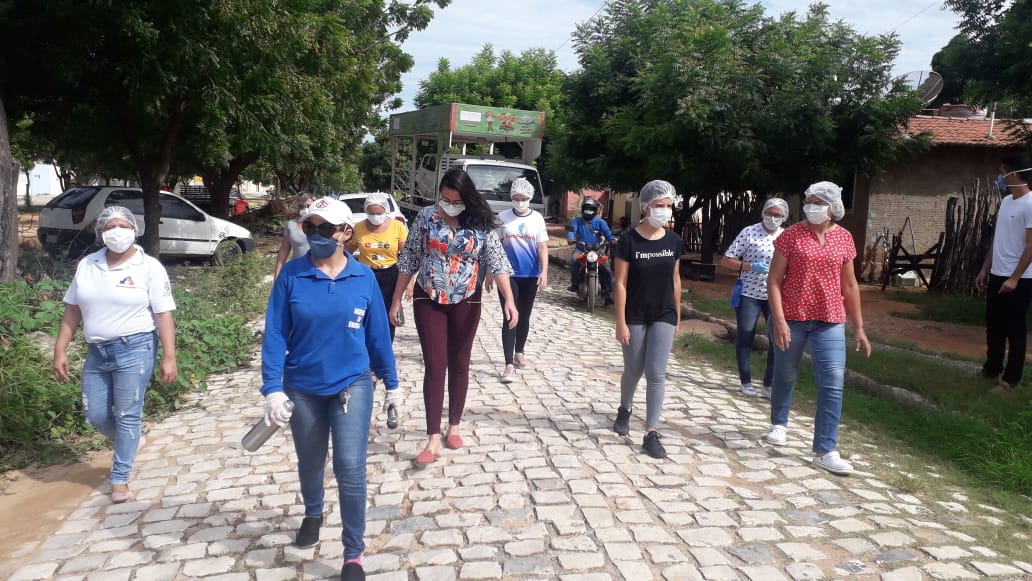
(464, 27)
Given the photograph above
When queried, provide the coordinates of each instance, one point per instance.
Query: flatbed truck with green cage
(426, 143)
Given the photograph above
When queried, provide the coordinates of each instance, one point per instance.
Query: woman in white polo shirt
(121, 296)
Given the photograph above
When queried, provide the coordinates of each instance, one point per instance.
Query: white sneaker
(777, 435)
(833, 463)
(748, 390)
(766, 391)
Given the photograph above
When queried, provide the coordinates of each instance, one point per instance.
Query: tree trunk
(710, 229)
(8, 204)
(220, 181)
(154, 168)
(28, 186)
(150, 183)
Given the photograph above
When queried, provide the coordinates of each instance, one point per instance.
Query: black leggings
(524, 290)
(387, 278)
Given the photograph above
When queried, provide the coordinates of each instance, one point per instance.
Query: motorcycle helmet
(589, 209)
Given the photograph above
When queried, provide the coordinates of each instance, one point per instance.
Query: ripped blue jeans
(114, 383)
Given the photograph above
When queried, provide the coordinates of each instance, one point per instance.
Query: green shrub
(42, 420)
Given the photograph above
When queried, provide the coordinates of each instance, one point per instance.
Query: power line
(919, 13)
(592, 17)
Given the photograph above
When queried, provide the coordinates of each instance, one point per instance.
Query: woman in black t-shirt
(647, 291)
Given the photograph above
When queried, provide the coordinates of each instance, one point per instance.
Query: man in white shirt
(1006, 275)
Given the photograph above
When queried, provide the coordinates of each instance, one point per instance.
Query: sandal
(122, 494)
(425, 457)
(454, 441)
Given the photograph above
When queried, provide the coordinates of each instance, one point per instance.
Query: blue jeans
(315, 420)
(114, 383)
(746, 314)
(828, 350)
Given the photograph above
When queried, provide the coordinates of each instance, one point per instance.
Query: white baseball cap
(333, 211)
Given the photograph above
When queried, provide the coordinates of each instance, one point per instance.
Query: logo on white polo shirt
(127, 282)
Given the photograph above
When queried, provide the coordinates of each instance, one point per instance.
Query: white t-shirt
(1014, 217)
(520, 236)
(122, 301)
(754, 244)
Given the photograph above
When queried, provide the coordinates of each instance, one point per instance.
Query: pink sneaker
(521, 361)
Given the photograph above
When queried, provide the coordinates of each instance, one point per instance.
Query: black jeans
(387, 278)
(1005, 328)
(524, 291)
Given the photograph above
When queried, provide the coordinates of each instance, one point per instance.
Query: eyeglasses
(325, 229)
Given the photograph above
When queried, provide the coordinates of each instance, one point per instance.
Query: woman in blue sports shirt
(325, 329)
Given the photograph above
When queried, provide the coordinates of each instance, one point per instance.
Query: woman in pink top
(812, 289)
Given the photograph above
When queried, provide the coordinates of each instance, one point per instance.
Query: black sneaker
(572, 288)
(607, 300)
(308, 534)
(622, 425)
(652, 446)
(352, 572)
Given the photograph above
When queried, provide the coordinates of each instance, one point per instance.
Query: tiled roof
(964, 131)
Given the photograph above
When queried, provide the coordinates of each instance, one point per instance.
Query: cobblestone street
(543, 489)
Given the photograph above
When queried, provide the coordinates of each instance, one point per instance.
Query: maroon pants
(446, 334)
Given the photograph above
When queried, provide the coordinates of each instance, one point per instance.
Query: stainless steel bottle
(261, 432)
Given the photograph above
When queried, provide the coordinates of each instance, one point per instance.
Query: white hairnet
(830, 193)
(776, 203)
(110, 213)
(377, 199)
(521, 186)
(657, 190)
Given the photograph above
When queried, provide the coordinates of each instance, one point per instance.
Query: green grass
(947, 308)
(982, 441)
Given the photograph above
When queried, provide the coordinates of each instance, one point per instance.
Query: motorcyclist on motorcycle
(584, 228)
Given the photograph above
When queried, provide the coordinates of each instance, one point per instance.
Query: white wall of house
(43, 182)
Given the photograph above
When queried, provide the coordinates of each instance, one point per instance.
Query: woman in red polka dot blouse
(812, 289)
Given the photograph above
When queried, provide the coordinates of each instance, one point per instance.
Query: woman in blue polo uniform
(325, 329)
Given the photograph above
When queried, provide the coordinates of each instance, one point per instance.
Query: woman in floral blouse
(449, 250)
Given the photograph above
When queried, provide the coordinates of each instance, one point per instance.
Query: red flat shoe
(425, 457)
(453, 442)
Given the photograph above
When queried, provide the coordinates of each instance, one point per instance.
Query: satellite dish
(927, 84)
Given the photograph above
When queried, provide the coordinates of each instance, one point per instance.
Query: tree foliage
(204, 86)
(529, 80)
(993, 55)
(715, 96)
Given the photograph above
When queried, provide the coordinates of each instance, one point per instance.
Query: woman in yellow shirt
(378, 241)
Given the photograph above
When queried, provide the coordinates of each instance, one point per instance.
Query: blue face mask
(321, 246)
(1002, 184)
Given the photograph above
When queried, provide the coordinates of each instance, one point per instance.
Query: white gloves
(277, 409)
(395, 398)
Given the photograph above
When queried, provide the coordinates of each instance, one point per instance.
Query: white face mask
(522, 206)
(658, 217)
(376, 219)
(816, 213)
(119, 239)
(453, 209)
(772, 222)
